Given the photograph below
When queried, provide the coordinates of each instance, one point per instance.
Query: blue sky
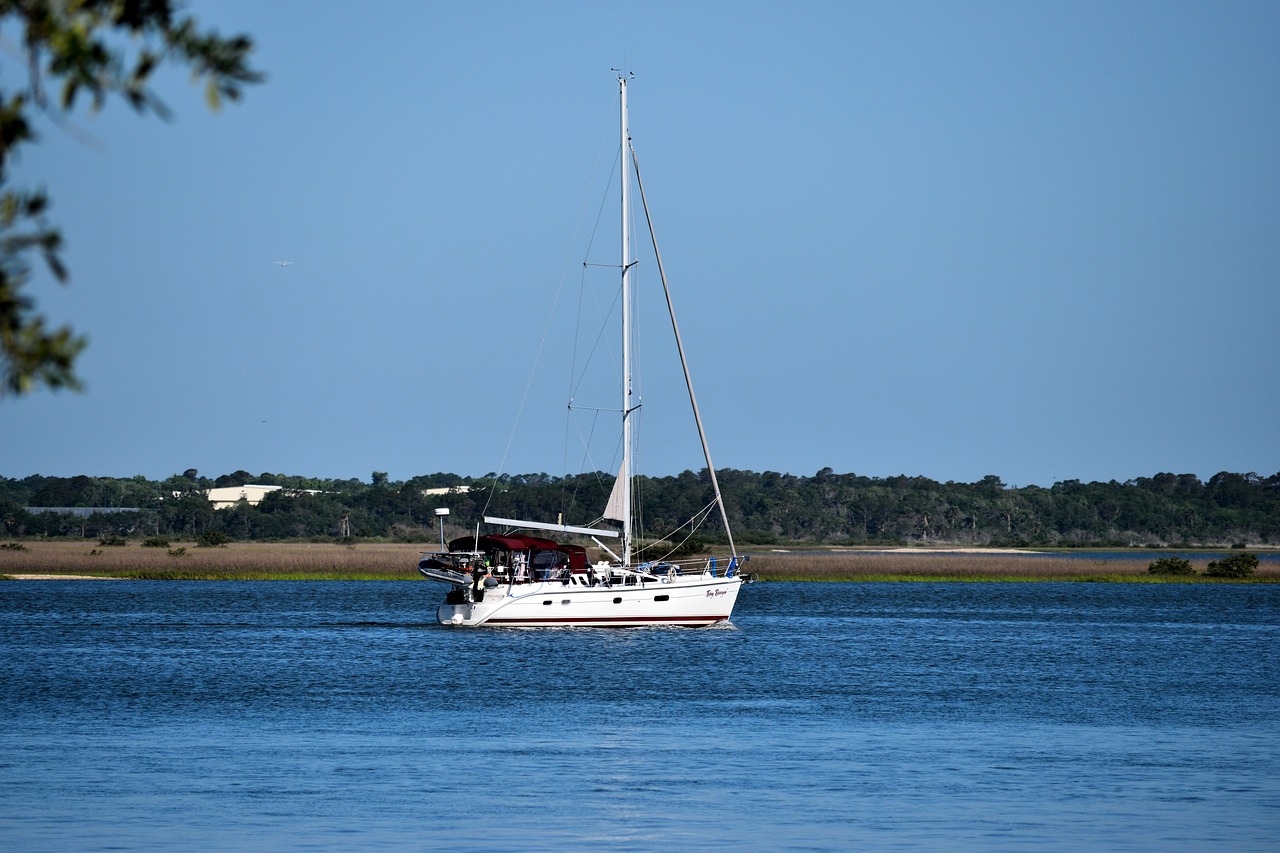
(1036, 240)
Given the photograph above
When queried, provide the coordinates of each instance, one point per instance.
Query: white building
(445, 490)
(232, 495)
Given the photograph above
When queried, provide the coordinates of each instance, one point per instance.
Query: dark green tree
(1235, 566)
(98, 48)
(1170, 566)
(212, 539)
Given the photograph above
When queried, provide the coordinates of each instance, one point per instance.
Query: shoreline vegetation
(36, 560)
(1167, 511)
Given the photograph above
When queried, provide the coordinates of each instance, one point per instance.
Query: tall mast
(626, 322)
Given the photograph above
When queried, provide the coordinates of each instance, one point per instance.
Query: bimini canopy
(576, 554)
(511, 542)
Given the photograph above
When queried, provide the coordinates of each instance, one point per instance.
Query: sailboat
(517, 577)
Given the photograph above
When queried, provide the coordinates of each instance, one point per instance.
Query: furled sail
(614, 509)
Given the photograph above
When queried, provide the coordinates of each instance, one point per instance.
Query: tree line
(768, 508)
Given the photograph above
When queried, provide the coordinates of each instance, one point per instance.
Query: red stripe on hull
(610, 620)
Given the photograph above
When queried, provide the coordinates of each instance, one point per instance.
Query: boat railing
(475, 567)
(713, 567)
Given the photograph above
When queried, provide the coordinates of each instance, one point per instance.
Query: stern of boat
(453, 614)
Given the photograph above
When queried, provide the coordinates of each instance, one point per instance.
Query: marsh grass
(941, 566)
(386, 561)
(236, 561)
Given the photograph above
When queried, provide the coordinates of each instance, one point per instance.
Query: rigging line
(693, 524)
(546, 328)
(614, 464)
(567, 498)
(573, 369)
(582, 284)
(573, 500)
(602, 317)
(587, 442)
(638, 498)
(578, 378)
(604, 198)
(688, 378)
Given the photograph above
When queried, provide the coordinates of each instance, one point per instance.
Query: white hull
(690, 601)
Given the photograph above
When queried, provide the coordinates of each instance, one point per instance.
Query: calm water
(336, 716)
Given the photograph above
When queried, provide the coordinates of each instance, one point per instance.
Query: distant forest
(765, 508)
